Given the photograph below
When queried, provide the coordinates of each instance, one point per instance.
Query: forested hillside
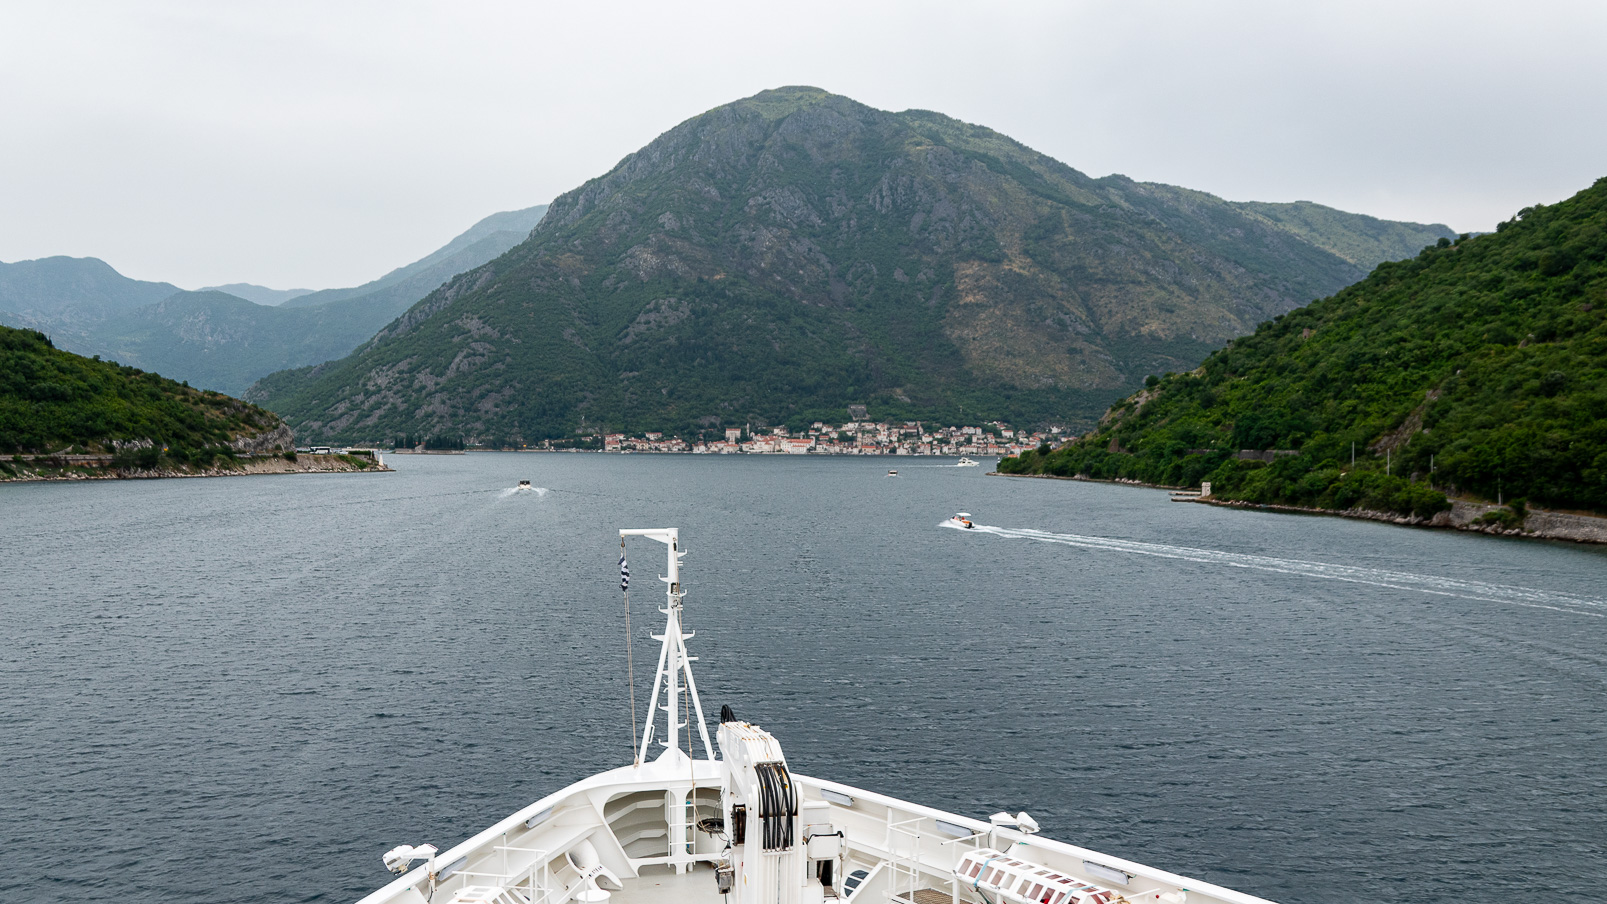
(1478, 367)
(53, 401)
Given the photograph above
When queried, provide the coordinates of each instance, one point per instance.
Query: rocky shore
(1466, 515)
(88, 467)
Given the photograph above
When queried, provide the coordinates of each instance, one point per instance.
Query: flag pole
(630, 665)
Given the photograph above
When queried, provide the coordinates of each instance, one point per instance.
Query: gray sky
(320, 144)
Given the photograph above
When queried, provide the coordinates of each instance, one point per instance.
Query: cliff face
(280, 438)
(783, 256)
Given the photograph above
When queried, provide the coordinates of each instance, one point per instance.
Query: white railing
(533, 875)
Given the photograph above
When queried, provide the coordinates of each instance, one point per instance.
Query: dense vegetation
(430, 443)
(53, 401)
(777, 259)
(1479, 368)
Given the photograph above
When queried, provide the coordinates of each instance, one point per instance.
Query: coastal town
(851, 438)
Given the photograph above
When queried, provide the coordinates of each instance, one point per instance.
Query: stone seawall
(1464, 515)
(1536, 523)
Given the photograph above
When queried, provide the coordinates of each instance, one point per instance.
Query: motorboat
(723, 819)
(892, 473)
(965, 462)
(961, 519)
(524, 484)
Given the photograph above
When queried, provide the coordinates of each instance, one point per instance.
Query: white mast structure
(673, 661)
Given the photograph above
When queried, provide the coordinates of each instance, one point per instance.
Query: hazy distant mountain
(218, 341)
(779, 258)
(259, 294)
(483, 241)
(70, 292)
(221, 340)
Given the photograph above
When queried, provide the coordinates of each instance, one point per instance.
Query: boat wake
(1377, 577)
(516, 491)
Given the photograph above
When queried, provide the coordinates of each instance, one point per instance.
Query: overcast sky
(321, 144)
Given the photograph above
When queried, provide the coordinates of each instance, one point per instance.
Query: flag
(624, 574)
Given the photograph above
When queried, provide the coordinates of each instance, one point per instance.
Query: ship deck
(661, 886)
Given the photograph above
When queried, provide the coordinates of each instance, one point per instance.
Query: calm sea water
(248, 689)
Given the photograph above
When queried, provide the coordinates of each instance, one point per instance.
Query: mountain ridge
(72, 290)
(486, 239)
(259, 294)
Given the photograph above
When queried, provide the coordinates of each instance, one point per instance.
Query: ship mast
(674, 663)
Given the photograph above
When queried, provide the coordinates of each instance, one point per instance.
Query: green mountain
(778, 258)
(1478, 367)
(220, 341)
(53, 401)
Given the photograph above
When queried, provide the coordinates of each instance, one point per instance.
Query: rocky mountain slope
(1479, 367)
(778, 258)
(220, 341)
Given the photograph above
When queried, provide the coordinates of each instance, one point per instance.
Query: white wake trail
(1377, 577)
(510, 491)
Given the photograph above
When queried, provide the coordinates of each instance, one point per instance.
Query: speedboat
(892, 473)
(684, 824)
(524, 484)
(961, 519)
(965, 462)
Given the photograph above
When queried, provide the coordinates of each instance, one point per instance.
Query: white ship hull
(743, 829)
(905, 847)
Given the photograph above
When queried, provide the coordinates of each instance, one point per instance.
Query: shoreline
(248, 467)
(1538, 524)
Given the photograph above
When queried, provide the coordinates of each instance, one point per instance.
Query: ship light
(1021, 822)
(1108, 873)
(954, 828)
(836, 797)
(398, 859)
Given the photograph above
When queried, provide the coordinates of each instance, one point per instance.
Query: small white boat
(719, 817)
(892, 473)
(962, 519)
(524, 484)
(965, 462)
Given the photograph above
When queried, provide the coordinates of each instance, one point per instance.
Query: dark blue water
(248, 689)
